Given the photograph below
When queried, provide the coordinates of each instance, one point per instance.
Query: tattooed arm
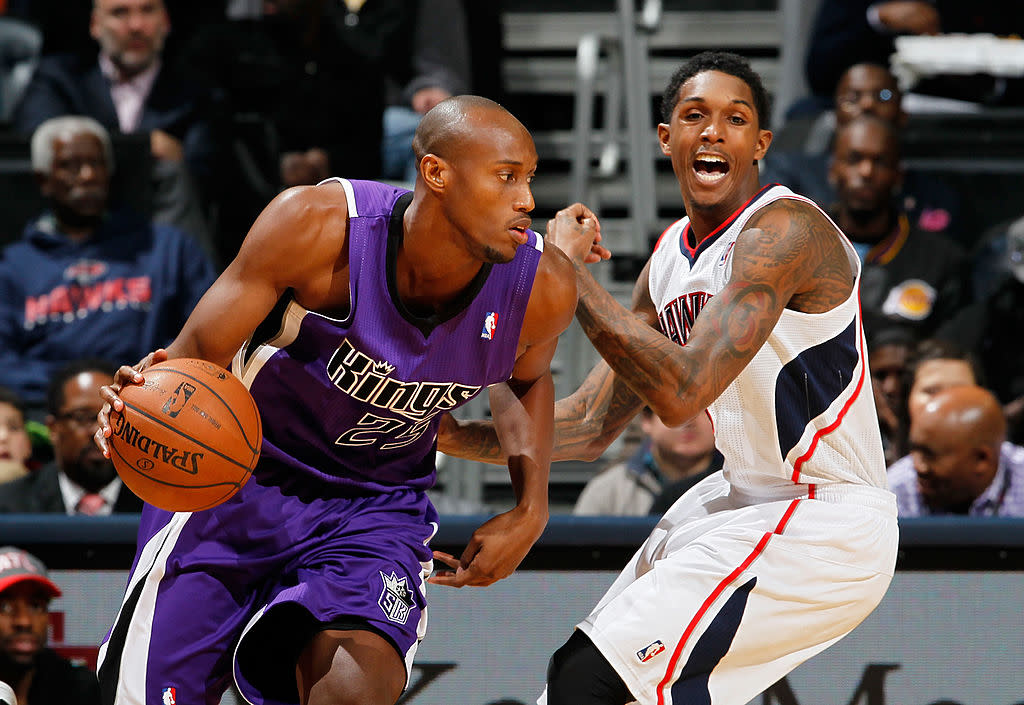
(586, 421)
(789, 256)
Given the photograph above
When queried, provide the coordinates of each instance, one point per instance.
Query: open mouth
(710, 168)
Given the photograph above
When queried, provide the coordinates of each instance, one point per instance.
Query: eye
(506, 176)
(738, 120)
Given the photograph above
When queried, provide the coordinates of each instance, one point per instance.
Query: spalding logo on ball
(188, 437)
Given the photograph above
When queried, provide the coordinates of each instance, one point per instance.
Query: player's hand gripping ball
(188, 437)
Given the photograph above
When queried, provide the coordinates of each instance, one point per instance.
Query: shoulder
(62, 65)
(554, 295)
(791, 213)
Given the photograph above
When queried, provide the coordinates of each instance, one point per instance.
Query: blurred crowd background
(139, 139)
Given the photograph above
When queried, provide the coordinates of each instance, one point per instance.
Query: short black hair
(725, 62)
(942, 349)
(55, 391)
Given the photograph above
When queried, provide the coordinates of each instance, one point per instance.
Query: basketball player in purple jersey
(747, 308)
(356, 313)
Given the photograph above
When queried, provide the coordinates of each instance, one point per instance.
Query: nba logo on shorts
(395, 599)
(490, 325)
(650, 651)
(169, 696)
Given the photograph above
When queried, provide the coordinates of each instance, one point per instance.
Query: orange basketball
(188, 437)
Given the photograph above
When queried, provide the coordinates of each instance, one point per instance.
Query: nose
(712, 132)
(524, 202)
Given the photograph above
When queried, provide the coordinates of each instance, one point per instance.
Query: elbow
(672, 411)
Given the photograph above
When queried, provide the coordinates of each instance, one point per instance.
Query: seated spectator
(936, 365)
(666, 455)
(889, 351)
(803, 164)
(129, 88)
(911, 278)
(440, 64)
(83, 281)
(960, 462)
(15, 444)
(36, 674)
(991, 326)
(79, 480)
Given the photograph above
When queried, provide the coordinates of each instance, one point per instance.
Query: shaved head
(969, 412)
(451, 122)
(955, 446)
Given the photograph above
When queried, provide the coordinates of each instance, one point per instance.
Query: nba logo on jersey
(395, 599)
(490, 325)
(650, 651)
(169, 696)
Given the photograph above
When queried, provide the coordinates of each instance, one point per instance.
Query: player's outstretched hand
(126, 374)
(493, 552)
(576, 231)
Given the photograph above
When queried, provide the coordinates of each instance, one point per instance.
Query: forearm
(587, 421)
(523, 425)
(655, 368)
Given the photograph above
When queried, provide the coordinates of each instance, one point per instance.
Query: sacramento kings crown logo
(396, 598)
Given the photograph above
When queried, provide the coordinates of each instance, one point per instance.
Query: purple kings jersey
(355, 401)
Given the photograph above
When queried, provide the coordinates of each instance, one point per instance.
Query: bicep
(242, 296)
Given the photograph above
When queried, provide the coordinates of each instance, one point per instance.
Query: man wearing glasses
(79, 480)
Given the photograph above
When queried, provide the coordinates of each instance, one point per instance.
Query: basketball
(188, 438)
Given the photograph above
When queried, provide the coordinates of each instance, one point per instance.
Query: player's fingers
(101, 442)
(446, 558)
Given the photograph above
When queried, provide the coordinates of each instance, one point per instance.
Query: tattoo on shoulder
(788, 232)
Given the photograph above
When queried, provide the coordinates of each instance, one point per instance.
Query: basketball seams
(171, 424)
(181, 433)
(211, 390)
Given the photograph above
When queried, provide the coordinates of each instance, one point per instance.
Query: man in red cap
(36, 674)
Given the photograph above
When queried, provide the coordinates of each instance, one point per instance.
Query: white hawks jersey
(802, 412)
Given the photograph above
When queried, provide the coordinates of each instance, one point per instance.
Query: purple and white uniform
(334, 525)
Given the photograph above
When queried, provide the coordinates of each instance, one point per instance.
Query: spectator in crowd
(129, 88)
(864, 89)
(440, 65)
(960, 462)
(932, 365)
(854, 31)
(911, 278)
(666, 455)
(15, 444)
(889, 351)
(938, 364)
(36, 674)
(991, 325)
(84, 281)
(305, 86)
(79, 480)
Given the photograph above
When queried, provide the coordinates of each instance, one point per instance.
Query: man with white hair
(84, 280)
(128, 88)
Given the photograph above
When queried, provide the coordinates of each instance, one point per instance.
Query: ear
(764, 140)
(434, 171)
(94, 25)
(663, 136)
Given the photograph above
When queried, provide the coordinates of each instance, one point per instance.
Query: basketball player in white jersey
(748, 308)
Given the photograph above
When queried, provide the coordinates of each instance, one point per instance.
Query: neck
(705, 219)
(432, 269)
(865, 226)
